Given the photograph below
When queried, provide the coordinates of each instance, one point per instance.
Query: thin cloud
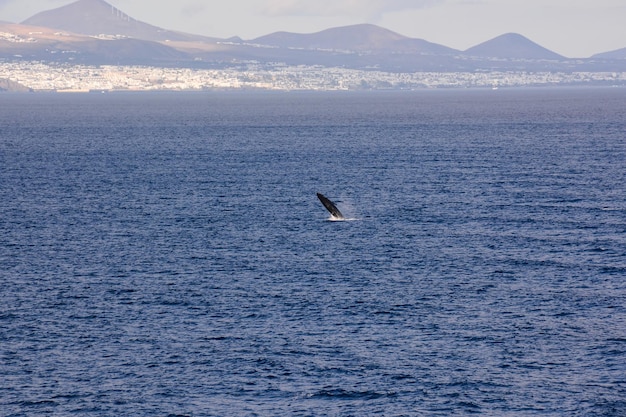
(371, 8)
(42, 2)
(193, 9)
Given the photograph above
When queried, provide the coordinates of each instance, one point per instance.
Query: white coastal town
(64, 77)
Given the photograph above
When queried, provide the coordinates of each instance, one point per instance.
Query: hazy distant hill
(361, 38)
(96, 17)
(617, 54)
(512, 46)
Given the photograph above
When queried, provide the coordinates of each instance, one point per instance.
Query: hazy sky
(574, 28)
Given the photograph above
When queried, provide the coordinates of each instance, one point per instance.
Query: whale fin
(330, 206)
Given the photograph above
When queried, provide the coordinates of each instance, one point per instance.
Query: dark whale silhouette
(330, 206)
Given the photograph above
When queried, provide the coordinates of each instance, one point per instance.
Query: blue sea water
(165, 254)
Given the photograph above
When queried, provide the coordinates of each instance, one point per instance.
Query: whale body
(330, 206)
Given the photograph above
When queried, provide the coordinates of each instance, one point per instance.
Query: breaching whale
(330, 206)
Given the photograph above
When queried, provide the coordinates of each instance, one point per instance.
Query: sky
(573, 28)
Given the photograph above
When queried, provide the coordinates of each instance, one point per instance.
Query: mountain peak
(364, 32)
(361, 37)
(97, 17)
(82, 16)
(512, 45)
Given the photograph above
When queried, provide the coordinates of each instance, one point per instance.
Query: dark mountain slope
(48, 44)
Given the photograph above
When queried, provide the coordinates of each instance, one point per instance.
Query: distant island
(92, 45)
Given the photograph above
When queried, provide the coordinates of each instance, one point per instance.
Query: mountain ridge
(360, 37)
(362, 46)
(97, 17)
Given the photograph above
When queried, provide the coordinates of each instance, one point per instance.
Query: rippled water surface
(165, 254)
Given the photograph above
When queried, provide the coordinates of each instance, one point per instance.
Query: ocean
(165, 254)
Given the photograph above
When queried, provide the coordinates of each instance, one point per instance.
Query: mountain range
(95, 32)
